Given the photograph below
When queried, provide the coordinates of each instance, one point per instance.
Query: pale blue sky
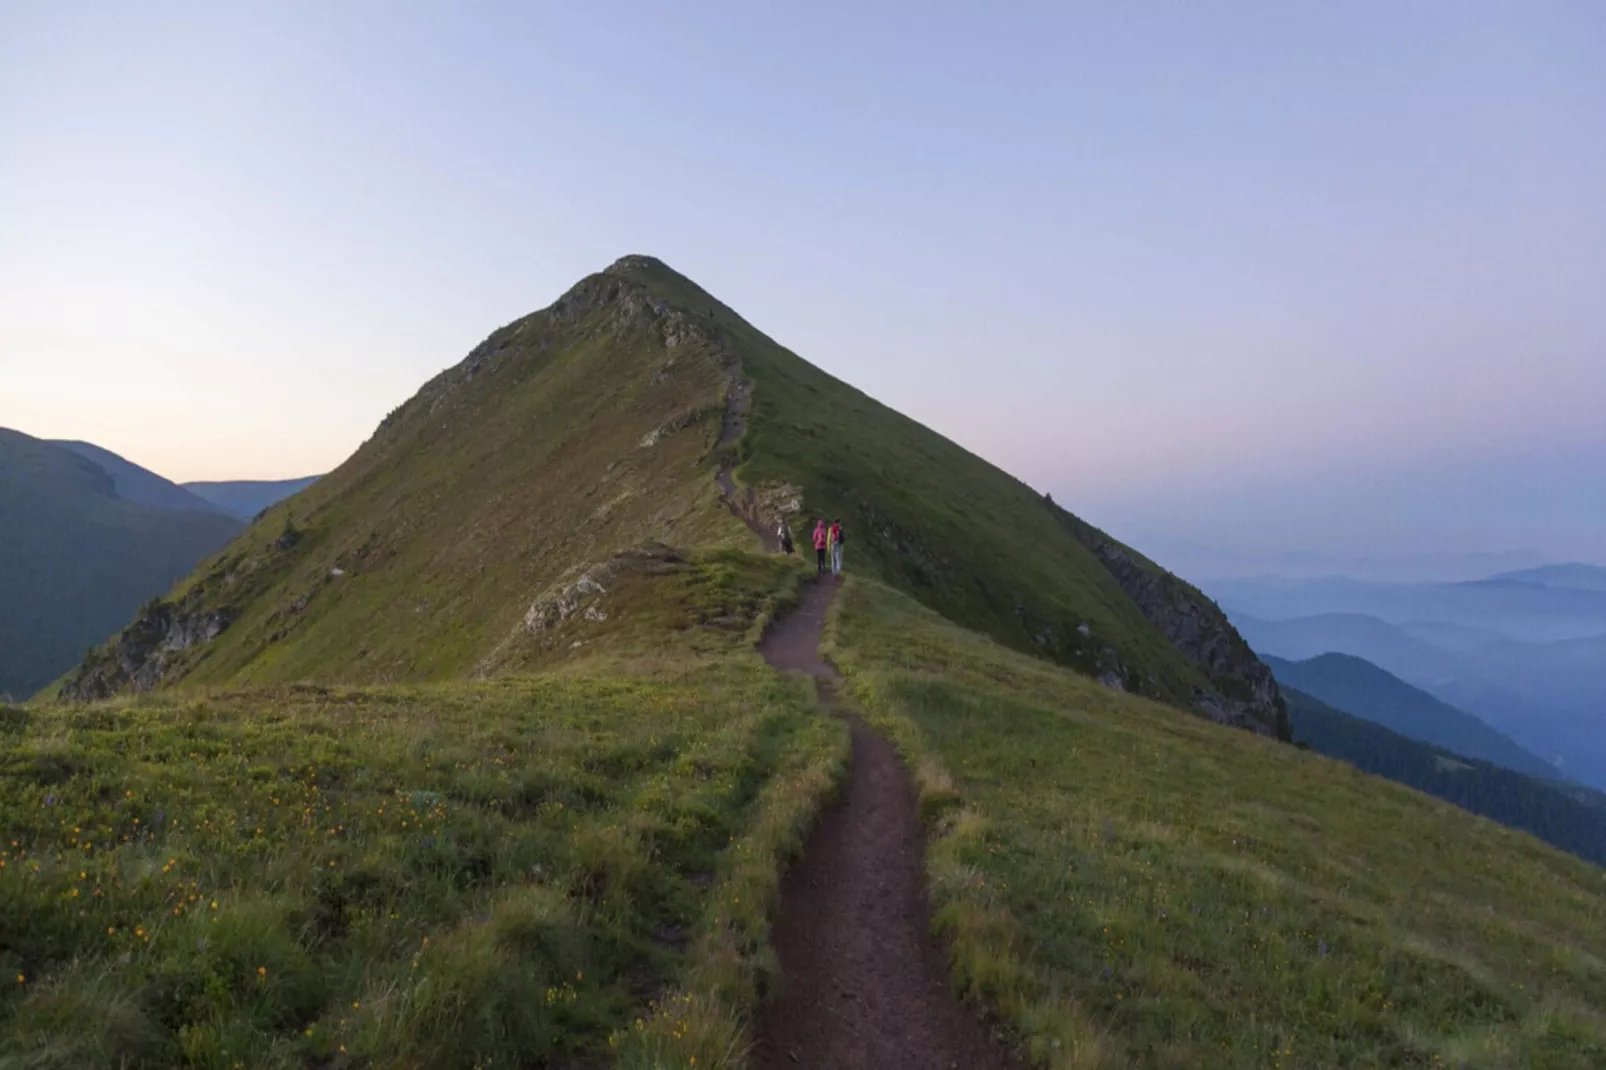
(1318, 276)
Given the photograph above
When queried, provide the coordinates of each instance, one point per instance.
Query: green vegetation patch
(470, 875)
(1134, 887)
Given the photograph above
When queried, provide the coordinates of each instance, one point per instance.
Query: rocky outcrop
(582, 594)
(141, 654)
(1247, 695)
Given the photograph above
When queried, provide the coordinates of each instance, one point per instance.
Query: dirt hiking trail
(863, 981)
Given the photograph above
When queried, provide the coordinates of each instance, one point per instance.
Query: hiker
(819, 547)
(783, 536)
(834, 536)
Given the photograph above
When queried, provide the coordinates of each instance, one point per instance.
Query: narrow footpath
(863, 981)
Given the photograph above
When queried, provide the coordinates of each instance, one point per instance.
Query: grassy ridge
(464, 875)
(929, 517)
(1134, 887)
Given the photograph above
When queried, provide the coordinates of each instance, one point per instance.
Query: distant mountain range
(1522, 651)
(245, 498)
(1383, 644)
(1208, 564)
(1361, 688)
(1576, 576)
(86, 537)
(1514, 609)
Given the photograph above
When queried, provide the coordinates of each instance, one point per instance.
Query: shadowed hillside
(140, 485)
(1361, 688)
(76, 560)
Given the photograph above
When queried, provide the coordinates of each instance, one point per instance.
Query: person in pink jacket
(819, 548)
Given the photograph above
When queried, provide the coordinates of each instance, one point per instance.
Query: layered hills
(1361, 688)
(243, 499)
(1521, 651)
(521, 482)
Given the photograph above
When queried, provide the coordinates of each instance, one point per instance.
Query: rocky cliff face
(138, 658)
(1249, 697)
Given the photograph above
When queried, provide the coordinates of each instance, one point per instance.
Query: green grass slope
(549, 870)
(968, 539)
(1570, 818)
(1133, 887)
(76, 560)
(571, 865)
(480, 509)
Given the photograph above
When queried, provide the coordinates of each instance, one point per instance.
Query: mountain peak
(633, 265)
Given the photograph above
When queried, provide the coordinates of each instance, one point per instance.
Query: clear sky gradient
(1323, 277)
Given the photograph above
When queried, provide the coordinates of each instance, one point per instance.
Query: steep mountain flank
(560, 441)
(76, 560)
(639, 409)
(1197, 627)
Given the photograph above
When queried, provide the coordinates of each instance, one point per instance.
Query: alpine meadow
(468, 755)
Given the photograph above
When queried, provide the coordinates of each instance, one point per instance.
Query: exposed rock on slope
(137, 659)
(1191, 622)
